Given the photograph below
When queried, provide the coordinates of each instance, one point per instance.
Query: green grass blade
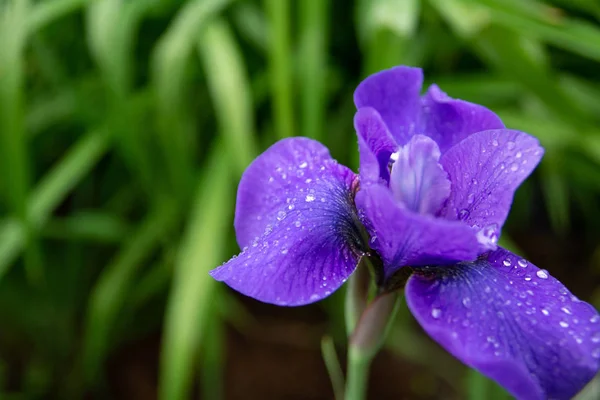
(192, 290)
(48, 11)
(313, 21)
(230, 91)
(169, 62)
(280, 68)
(110, 292)
(14, 158)
(52, 190)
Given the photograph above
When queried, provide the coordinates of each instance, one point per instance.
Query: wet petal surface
(297, 223)
(448, 121)
(511, 321)
(402, 237)
(485, 170)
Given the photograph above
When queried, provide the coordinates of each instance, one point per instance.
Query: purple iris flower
(437, 178)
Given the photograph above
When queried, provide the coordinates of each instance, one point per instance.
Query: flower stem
(358, 373)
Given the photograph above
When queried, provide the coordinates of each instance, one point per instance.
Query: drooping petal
(402, 237)
(296, 219)
(417, 179)
(486, 169)
(394, 93)
(512, 322)
(375, 145)
(448, 121)
(283, 172)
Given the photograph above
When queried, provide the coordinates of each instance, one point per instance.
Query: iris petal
(297, 223)
(511, 321)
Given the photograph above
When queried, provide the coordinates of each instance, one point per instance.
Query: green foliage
(125, 125)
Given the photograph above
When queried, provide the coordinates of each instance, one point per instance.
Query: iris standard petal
(375, 144)
(297, 221)
(511, 321)
(394, 93)
(402, 237)
(448, 121)
(417, 179)
(486, 169)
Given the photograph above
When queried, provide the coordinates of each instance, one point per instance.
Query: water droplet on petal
(466, 302)
(304, 164)
(510, 145)
(506, 262)
(596, 338)
(470, 198)
(545, 312)
(542, 274)
(566, 310)
(314, 297)
(596, 353)
(522, 263)
(463, 214)
(309, 198)
(563, 324)
(495, 143)
(280, 215)
(436, 313)
(514, 167)
(595, 319)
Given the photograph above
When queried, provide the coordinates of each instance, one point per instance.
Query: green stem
(358, 373)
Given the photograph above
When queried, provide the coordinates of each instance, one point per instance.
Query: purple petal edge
(512, 322)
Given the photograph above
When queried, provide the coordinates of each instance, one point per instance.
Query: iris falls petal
(402, 237)
(511, 321)
(297, 223)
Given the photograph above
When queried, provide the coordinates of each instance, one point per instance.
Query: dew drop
(510, 145)
(304, 164)
(596, 338)
(291, 207)
(566, 310)
(595, 319)
(308, 180)
(309, 198)
(563, 324)
(314, 297)
(298, 224)
(542, 274)
(545, 312)
(284, 251)
(506, 262)
(373, 239)
(522, 263)
(466, 302)
(470, 198)
(514, 167)
(436, 313)
(281, 215)
(487, 289)
(519, 154)
(495, 143)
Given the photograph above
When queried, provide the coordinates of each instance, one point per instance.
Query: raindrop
(514, 167)
(542, 274)
(308, 180)
(436, 312)
(309, 198)
(284, 251)
(466, 302)
(470, 198)
(487, 289)
(298, 224)
(566, 310)
(519, 154)
(506, 262)
(495, 143)
(280, 215)
(522, 263)
(303, 165)
(291, 207)
(545, 312)
(373, 239)
(563, 324)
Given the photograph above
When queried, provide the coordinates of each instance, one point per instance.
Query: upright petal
(297, 221)
(417, 179)
(394, 93)
(485, 170)
(375, 145)
(402, 237)
(512, 322)
(448, 121)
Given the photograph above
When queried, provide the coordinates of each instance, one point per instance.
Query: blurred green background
(126, 124)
